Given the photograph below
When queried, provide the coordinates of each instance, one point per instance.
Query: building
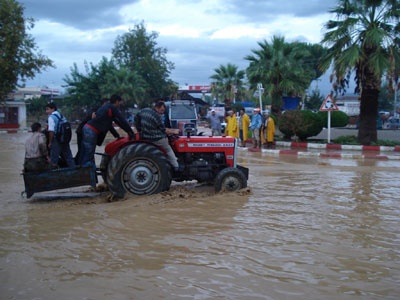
(13, 110)
(31, 92)
(13, 115)
(349, 104)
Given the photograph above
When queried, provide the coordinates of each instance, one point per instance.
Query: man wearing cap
(255, 126)
(215, 123)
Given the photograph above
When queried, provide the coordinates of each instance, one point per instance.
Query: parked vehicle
(392, 123)
(223, 126)
(182, 115)
(141, 168)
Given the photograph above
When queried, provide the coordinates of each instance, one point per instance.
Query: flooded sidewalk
(330, 151)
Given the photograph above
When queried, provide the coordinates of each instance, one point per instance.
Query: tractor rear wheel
(230, 180)
(140, 169)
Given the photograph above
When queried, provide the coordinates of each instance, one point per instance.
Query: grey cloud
(79, 14)
(104, 13)
(261, 11)
(197, 58)
(194, 59)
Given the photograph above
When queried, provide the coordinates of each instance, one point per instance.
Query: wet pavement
(305, 228)
(350, 152)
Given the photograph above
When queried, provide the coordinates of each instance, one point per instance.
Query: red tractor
(141, 168)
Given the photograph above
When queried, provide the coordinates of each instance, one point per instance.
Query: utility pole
(260, 92)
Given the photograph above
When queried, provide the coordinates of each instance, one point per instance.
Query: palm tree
(364, 39)
(283, 68)
(228, 82)
(128, 84)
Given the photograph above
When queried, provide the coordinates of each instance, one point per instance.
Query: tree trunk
(276, 104)
(367, 132)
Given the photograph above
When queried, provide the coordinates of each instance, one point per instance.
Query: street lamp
(233, 92)
(395, 86)
(260, 92)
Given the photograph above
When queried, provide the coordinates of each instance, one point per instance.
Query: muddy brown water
(306, 228)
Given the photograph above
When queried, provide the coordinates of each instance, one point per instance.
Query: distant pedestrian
(215, 123)
(244, 122)
(255, 126)
(232, 128)
(268, 130)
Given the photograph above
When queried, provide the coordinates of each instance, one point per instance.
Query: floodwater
(306, 228)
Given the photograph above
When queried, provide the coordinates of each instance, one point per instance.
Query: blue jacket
(256, 122)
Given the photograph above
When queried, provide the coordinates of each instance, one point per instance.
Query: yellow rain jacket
(268, 130)
(245, 126)
(232, 128)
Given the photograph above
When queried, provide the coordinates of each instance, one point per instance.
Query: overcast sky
(199, 35)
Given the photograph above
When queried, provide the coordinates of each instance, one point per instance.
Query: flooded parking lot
(306, 228)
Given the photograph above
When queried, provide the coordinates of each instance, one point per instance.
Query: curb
(361, 152)
(13, 131)
(333, 155)
(338, 147)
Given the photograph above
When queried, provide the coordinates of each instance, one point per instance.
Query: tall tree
(137, 51)
(364, 38)
(85, 89)
(126, 83)
(20, 58)
(228, 83)
(283, 68)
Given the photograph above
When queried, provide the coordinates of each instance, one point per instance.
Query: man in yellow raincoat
(268, 130)
(231, 125)
(244, 122)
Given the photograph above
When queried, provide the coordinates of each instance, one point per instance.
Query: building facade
(13, 111)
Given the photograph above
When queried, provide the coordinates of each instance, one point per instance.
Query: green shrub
(352, 140)
(338, 118)
(302, 123)
(385, 143)
(346, 140)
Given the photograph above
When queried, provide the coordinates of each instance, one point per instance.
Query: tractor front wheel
(230, 180)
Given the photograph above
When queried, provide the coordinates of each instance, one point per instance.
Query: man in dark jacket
(95, 129)
(79, 130)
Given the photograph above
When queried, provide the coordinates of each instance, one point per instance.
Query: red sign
(199, 87)
(328, 104)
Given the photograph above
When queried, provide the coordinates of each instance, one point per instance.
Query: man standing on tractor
(100, 125)
(56, 147)
(151, 127)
